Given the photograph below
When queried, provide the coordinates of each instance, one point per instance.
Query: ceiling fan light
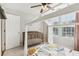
(45, 8)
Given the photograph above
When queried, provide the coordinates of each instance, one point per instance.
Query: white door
(12, 31)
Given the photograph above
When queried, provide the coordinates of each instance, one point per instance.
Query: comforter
(54, 50)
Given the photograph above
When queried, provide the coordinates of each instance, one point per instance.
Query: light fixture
(44, 8)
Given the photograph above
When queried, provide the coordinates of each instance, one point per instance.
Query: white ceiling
(22, 7)
(30, 13)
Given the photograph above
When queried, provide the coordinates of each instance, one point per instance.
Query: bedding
(54, 50)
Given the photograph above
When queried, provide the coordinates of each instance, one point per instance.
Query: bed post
(76, 40)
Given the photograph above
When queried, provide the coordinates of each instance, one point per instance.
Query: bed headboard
(35, 34)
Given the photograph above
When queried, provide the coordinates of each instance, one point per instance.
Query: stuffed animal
(31, 51)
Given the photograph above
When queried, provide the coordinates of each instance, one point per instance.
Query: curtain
(2, 13)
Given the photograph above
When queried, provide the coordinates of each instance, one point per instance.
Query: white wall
(59, 39)
(36, 27)
(23, 23)
(0, 37)
(64, 41)
(50, 34)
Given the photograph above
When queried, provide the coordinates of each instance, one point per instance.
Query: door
(12, 31)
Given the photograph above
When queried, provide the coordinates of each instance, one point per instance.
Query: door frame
(3, 40)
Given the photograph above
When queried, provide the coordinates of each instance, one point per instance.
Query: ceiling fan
(44, 7)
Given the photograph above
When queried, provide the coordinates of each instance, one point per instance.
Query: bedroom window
(68, 31)
(55, 31)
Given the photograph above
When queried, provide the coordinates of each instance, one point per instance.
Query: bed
(34, 37)
(54, 50)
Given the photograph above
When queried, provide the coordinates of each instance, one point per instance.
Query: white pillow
(67, 52)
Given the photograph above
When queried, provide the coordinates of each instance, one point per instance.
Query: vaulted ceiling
(31, 13)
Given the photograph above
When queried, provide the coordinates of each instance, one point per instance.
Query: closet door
(12, 31)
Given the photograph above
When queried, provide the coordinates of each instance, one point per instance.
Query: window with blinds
(68, 31)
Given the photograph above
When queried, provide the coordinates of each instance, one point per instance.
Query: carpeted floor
(19, 51)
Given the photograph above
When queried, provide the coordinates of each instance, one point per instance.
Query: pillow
(52, 46)
(67, 51)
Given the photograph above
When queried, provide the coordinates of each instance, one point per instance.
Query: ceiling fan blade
(35, 6)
